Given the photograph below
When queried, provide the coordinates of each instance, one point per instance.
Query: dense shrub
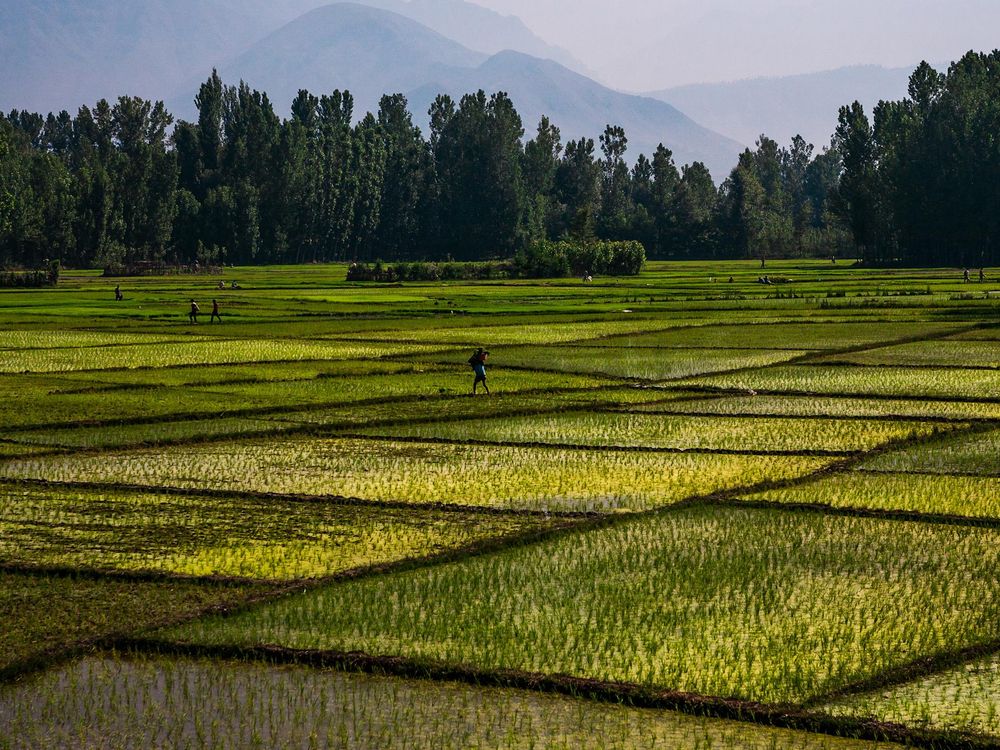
(423, 271)
(30, 279)
(555, 259)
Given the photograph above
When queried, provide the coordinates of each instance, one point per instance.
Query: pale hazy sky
(650, 44)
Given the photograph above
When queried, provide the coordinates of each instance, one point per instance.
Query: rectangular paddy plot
(541, 479)
(973, 454)
(61, 339)
(941, 353)
(604, 429)
(974, 497)
(195, 535)
(521, 333)
(953, 383)
(817, 406)
(122, 436)
(498, 404)
(808, 335)
(36, 402)
(190, 353)
(134, 701)
(636, 363)
(198, 375)
(769, 606)
(45, 615)
(964, 699)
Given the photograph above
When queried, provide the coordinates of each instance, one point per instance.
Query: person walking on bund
(193, 315)
(478, 363)
(215, 312)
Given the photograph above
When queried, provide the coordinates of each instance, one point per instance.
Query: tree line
(921, 179)
(122, 184)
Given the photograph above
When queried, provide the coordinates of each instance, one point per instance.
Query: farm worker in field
(478, 363)
(215, 312)
(982, 275)
(193, 315)
(965, 275)
(118, 293)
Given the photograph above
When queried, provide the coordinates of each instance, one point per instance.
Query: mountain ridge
(784, 106)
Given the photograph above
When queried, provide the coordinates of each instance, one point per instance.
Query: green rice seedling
(976, 453)
(47, 615)
(935, 494)
(811, 335)
(423, 381)
(850, 407)
(634, 363)
(9, 450)
(769, 606)
(123, 436)
(61, 339)
(128, 701)
(511, 333)
(861, 381)
(231, 537)
(669, 432)
(198, 352)
(963, 699)
(950, 353)
(543, 479)
(208, 374)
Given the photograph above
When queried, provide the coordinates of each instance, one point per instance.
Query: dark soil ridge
(919, 668)
(339, 500)
(484, 546)
(785, 716)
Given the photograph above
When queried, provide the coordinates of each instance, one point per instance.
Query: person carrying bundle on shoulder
(193, 314)
(478, 363)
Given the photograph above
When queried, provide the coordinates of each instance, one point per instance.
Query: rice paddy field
(688, 514)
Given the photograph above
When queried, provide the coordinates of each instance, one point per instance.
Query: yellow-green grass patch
(953, 383)
(763, 605)
(540, 479)
(194, 535)
(599, 430)
(963, 699)
(119, 701)
(915, 493)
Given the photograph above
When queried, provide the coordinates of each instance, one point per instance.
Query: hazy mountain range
(783, 107)
(60, 54)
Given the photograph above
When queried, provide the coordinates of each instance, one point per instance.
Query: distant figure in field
(965, 275)
(215, 312)
(235, 285)
(193, 315)
(221, 284)
(118, 293)
(478, 363)
(982, 275)
(833, 259)
(730, 279)
(763, 263)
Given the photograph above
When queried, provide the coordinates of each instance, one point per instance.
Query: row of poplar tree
(921, 179)
(121, 184)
